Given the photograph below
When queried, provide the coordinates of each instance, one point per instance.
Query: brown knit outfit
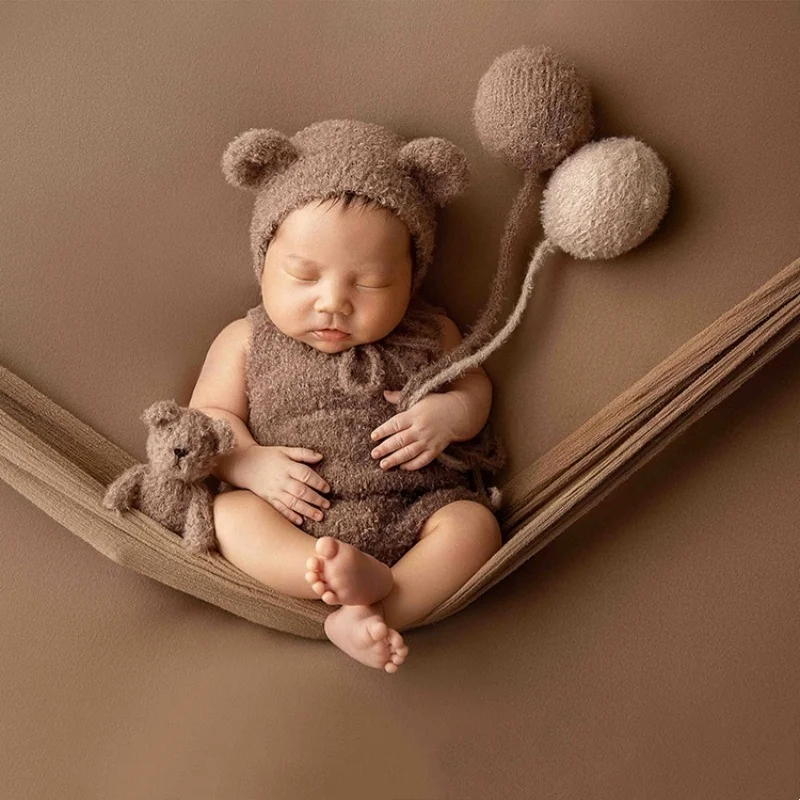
(331, 402)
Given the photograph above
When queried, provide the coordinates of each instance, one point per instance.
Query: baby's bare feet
(361, 632)
(341, 573)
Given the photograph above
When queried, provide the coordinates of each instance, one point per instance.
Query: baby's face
(331, 267)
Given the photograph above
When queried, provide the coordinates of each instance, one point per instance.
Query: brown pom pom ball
(605, 199)
(532, 108)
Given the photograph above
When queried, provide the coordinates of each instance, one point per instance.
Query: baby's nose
(333, 302)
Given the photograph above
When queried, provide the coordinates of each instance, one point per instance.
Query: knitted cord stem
(479, 356)
(481, 331)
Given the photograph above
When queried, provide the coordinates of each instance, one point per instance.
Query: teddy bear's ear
(226, 438)
(438, 166)
(255, 156)
(160, 413)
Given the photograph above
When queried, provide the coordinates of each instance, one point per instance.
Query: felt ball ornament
(605, 199)
(532, 108)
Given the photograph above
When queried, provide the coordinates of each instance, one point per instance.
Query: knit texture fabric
(331, 402)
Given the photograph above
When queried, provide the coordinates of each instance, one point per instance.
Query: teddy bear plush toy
(182, 446)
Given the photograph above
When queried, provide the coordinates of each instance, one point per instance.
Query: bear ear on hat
(255, 156)
(439, 167)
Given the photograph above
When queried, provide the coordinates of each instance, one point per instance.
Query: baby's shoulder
(237, 334)
(447, 328)
(451, 335)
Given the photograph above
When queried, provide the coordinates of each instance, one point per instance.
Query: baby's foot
(360, 631)
(341, 573)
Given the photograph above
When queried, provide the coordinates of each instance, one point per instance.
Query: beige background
(649, 652)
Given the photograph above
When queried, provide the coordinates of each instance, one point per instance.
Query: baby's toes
(377, 629)
(327, 546)
(330, 597)
(399, 655)
(314, 577)
(317, 584)
(396, 641)
(395, 661)
(314, 564)
(325, 593)
(395, 638)
(398, 651)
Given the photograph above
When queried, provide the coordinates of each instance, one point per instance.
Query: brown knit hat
(338, 155)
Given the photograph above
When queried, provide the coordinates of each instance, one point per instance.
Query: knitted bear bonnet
(339, 155)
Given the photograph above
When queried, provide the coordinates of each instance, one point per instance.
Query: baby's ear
(255, 156)
(439, 167)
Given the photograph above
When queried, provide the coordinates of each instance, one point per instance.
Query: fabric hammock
(64, 466)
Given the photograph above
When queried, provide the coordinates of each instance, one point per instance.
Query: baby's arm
(455, 413)
(473, 390)
(220, 393)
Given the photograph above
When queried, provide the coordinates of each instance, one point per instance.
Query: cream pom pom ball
(605, 199)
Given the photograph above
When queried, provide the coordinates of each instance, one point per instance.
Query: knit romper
(331, 402)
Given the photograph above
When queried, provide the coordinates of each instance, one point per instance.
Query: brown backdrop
(650, 652)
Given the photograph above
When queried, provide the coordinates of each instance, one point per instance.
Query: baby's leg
(454, 543)
(259, 540)
(255, 537)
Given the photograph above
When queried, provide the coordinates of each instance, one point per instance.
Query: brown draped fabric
(64, 466)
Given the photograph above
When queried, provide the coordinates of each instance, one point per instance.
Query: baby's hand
(280, 476)
(420, 433)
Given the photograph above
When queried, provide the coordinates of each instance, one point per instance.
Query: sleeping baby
(334, 493)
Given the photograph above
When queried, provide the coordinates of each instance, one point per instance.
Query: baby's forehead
(319, 240)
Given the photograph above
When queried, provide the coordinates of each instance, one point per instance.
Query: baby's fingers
(306, 475)
(294, 503)
(423, 459)
(305, 492)
(302, 453)
(402, 455)
(287, 512)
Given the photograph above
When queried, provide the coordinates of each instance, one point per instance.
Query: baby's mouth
(330, 334)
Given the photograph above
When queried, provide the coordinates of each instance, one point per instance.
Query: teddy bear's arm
(124, 490)
(198, 533)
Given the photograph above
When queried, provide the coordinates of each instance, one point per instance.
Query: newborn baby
(378, 525)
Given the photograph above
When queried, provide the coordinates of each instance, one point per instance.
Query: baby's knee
(486, 522)
(473, 521)
(230, 508)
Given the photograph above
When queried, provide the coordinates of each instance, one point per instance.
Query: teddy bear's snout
(180, 452)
